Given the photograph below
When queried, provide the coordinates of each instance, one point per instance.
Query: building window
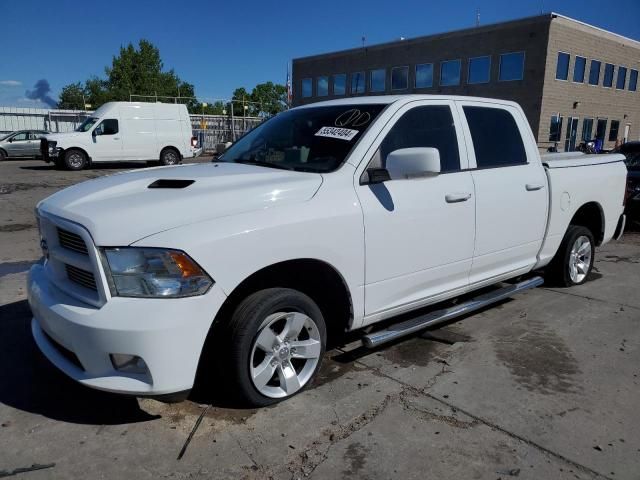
(307, 87)
(587, 129)
(484, 124)
(608, 75)
(424, 75)
(377, 80)
(511, 66)
(357, 83)
(450, 73)
(601, 128)
(578, 69)
(562, 67)
(340, 84)
(555, 128)
(399, 78)
(322, 86)
(633, 80)
(479, 70)
(622, 78)
(613, 131)
(594, 72)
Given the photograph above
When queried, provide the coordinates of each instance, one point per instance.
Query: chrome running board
(430, 319)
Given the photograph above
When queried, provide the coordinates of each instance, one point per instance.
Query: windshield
(87, 124)
(4, 135)
(315, 139)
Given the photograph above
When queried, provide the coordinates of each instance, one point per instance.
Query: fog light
(128, 363)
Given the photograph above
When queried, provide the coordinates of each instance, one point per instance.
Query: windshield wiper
(262, 163)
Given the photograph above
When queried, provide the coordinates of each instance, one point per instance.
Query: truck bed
(578, 159)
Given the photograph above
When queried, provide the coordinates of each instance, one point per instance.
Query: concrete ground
(543, 386)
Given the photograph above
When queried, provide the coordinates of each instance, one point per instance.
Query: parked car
(125, 131)
(631, 151)
(23, 143)
(327, 218)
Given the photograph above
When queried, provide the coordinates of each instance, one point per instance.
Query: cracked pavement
(541, 386)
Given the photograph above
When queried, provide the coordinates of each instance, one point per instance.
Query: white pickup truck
(326, 218)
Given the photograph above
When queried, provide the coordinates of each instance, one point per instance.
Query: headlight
(153, 273)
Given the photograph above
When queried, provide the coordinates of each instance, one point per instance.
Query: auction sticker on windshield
(336, 132)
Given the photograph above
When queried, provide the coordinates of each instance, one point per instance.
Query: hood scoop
(170, 183)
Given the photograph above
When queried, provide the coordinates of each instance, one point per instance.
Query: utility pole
(477, 17)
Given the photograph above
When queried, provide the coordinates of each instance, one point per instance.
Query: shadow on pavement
(30, 383)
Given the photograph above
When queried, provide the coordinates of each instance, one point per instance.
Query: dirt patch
(355, 456)
(620, 259)
(537, 358)
(6, 188)
(16, 227)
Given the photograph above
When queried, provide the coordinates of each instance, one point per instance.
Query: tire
(75, 159)
(262, 367)
(3, 155)
(574, 259)
(169, 156)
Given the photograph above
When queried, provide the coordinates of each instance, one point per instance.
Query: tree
(72, 97)
(270, 98)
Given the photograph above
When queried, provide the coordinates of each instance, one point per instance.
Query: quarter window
(424, 75)
(322, 86)
(608, 75)
(511, 66)
(357, 83)
(562, 67)
(613, 131)
(633, 80)
(428, 126)
(378, 80)
(496, 138)
(479, 70)
(450, 73)
(579, 69)
(555, 128)
(594, 72)
(340, 84)
(622, 78)
(399, 78)
(307, 87)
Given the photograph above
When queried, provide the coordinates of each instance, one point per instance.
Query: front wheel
(75, 159)
(276, 340)
(574, 259)
(3, 155)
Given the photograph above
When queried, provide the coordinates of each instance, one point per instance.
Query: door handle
(116, 138)
(457, 197)
(532, 187)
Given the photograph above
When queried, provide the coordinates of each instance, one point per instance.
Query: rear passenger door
(419, 231)
(510, 189)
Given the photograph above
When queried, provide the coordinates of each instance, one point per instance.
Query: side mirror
(94, 133)
(413, 162)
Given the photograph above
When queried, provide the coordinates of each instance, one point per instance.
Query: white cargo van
(125, 131)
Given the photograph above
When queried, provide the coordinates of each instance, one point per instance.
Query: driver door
(419, 232)
(107, 144)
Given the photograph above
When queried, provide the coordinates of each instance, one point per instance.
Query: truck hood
(57, 137)
(121, 209)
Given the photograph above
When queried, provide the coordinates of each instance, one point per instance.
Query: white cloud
(10, 83)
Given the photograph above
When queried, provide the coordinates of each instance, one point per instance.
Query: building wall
(592, 101)
(529, 35)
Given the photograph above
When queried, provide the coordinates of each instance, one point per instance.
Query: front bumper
(168, 334)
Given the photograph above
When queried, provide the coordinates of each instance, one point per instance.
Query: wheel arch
(322, 282)
(591, 216)
(6, 155)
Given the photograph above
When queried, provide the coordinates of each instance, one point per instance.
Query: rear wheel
(276, 338)
(75, 160)
(169, 156)
(574, 259)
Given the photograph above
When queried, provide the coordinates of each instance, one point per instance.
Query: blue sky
(219, 46)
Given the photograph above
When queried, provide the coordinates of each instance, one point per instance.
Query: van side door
(510, 189)
(419, 232)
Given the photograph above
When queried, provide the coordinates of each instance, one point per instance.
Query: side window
(21, 137)
(496, 138)
(428, 126)
(107, 127)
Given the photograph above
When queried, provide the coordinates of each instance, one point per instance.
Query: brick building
(573, 80)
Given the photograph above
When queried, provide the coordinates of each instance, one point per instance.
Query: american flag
(288, 87)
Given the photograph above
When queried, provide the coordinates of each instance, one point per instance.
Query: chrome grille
(72, 241)
(81, 277)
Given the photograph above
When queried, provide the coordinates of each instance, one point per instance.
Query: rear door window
(497, 141)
